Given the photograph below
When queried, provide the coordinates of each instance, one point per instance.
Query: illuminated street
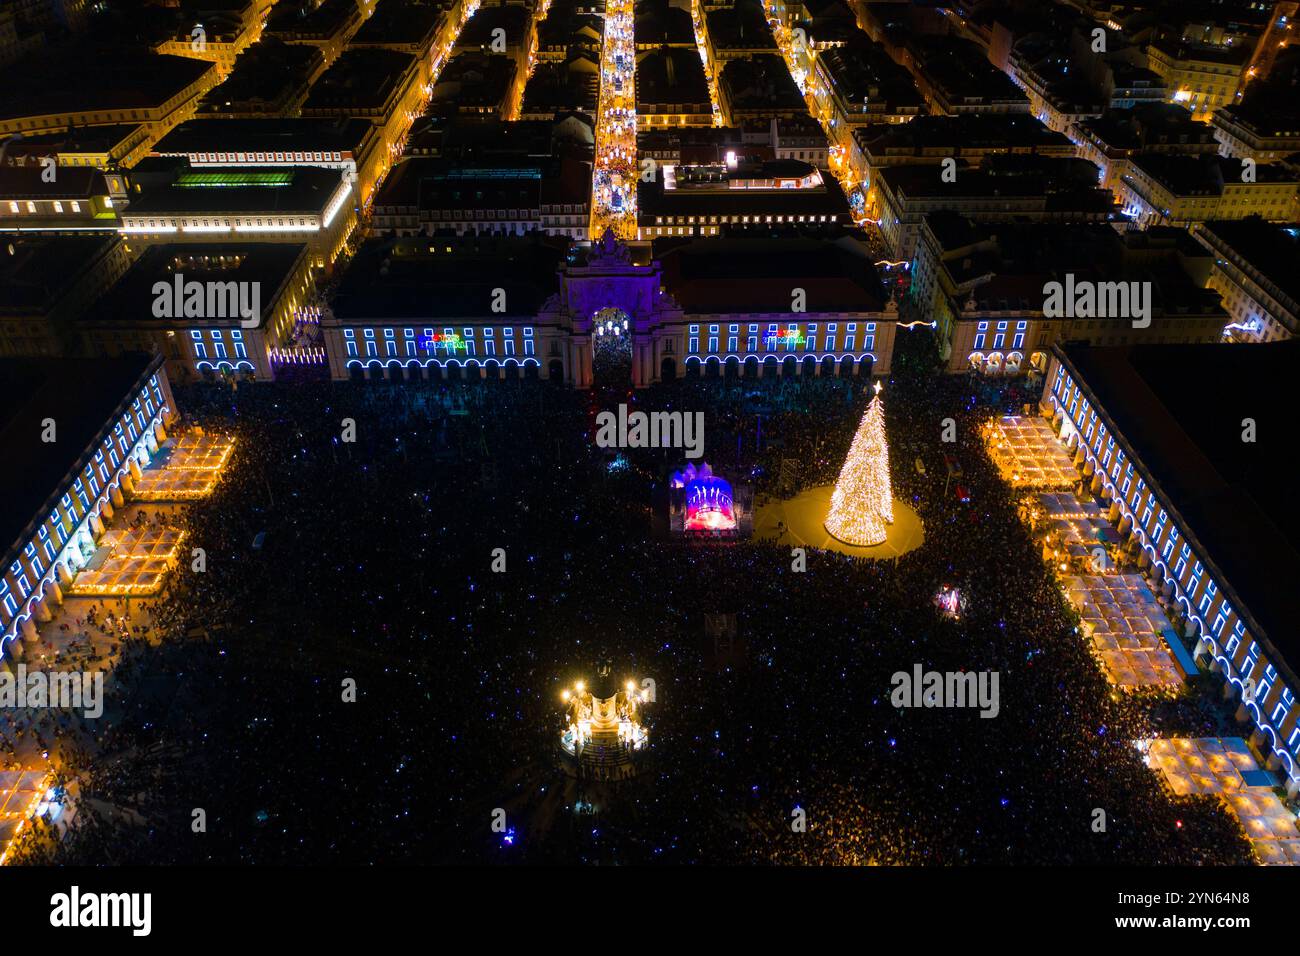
(615, 172)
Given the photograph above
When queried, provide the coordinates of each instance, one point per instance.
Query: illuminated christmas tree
(862, 504)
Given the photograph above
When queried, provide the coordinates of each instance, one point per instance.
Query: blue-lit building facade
(677, 315)
(60, 539)
(1166, 545)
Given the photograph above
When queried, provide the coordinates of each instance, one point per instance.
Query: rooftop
(401, 23)
(477, 32)
(658, 23)
(722, 275)
(35, 272)
(1181, 407)
(961, 134)
(423, 280)
(739, 27)
(962, 71)
(303, 20)
(360, 79)
(475, 79)
(264, 135)
(259, 189)
(862, 72)
(1205, 174)
(72, 182)
(268, 77)
(73, 80)
(672, 75)
(35, 389)
(1273, 250)
(1151, 125)
(1011, 261)
(759, 82)
(271, 264)
(1053, 180)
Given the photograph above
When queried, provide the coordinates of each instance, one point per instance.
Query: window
(1208, 597)
(7, 601)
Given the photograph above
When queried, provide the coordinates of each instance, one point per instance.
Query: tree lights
(862, 505)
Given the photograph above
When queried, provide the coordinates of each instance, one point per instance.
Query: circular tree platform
(805, 516)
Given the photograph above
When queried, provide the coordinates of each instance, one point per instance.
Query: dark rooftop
(256, 189)
(672, 75)
(35, 272)
(475, 79)
(1151, 125)
(1273, 250)
(862, 72)
(1181, 407)
(421, 280)
(81, 395)
(554, 87)
(742, 26)
(73, 182)
(477, 32)
(264, 135)
(657, 22)
(400, 22)
(268, 77)
(964, 133)
(305, 20)
(359, 79)
(719, 275)
(269, 263)
(962, 71)
(759, 82)
(72, 80)
(1204, 174)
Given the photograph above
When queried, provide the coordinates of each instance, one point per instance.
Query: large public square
(472, 553)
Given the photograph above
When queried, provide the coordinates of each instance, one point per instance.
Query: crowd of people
(402, 577)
